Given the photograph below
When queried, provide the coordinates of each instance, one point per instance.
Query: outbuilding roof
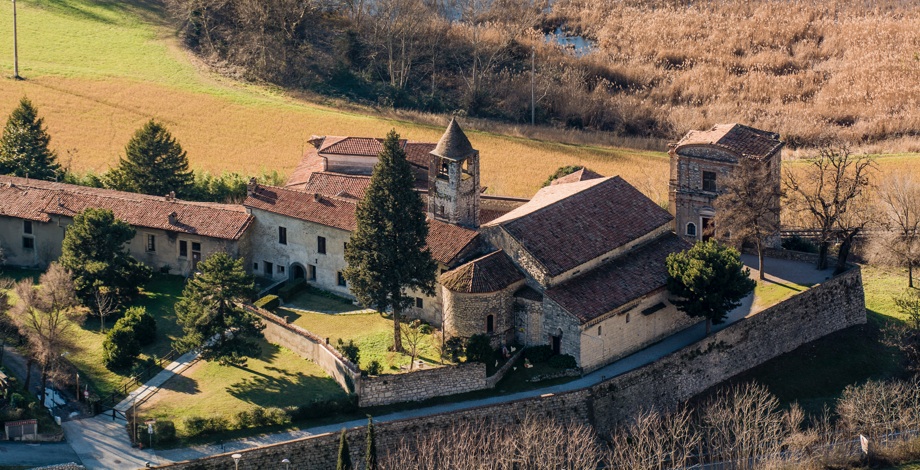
(742, 140)
(490, 273)
(567, 225)
(38, 200)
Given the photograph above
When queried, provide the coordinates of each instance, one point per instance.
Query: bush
(453, 349)
(120, 348)
(374, 367)
(198, 426)
(141, 323)
(797, 243)
(164, 431)
(562, 361)
(292, 288)
(538, 354)
(479, 349)
(425, 329)
(320, 409)
(350, 350)
(269, 302)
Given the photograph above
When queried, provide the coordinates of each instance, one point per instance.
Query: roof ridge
(547, 206)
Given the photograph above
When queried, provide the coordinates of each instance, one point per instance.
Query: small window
(183, 250)
(196, 247)
(267, 268)
(26, 226)
(627, 318)
(490, 323)
(691, 229)
(709, 181)
(282, 235)
(311, 272)
(440, 211)
(28, 243)
(419, 303)
(598, 330)
(151, 243)
(321, 245)
(341, 279)
(255, 266)
(280, 269)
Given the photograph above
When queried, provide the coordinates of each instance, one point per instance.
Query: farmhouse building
(701, 160)
(171, 235)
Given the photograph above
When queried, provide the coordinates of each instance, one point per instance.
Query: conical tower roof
(453, 144)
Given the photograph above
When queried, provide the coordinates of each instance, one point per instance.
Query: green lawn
(769, 293)
(370, 331)
(815, 374)
(315, 301)
(278, 378)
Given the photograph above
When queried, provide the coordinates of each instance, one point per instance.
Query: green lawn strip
(278, 378)
(908, 466)
(316, 301)
(815, 374)
(370, 331)
(768, 293)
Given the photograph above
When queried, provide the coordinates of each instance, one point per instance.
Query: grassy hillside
(98, 69)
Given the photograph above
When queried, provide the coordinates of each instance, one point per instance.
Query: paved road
(36, 455)
(103, 444)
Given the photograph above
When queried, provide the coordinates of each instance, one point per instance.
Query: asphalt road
(36, 455)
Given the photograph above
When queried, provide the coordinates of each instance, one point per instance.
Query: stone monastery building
(579, 267)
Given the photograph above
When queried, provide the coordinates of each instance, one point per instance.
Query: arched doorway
(298, 272)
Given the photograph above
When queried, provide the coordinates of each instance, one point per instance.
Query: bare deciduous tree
(750, 206)
(830, 189)
(45, 314)
(412, 337)
(899, 245)
(105, 303)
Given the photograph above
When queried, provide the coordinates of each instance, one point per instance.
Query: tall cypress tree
(24, 145)
(344, 461)
(154, 163)
(387, 253)
(370, 452)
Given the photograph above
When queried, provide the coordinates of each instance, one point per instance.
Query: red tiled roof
(742, 140)
(45, 198)
(337, 185)
(309, 164)
(368, 146)
(490, 273)
(445, 241)
(627, 278)
(419, 153)
(566, 225)
(328, 211)
(583, 174)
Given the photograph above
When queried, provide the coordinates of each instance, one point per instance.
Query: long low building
(172, 235)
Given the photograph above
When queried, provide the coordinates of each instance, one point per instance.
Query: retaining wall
(819, 311)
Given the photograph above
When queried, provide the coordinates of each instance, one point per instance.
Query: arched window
(691, 229)
(598, 330)
(490, 324)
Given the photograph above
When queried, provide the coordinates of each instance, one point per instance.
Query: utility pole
(533, 103)
(15, 47)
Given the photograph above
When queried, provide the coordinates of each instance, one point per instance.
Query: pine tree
(211, 313)
(24, 146)
(344, 461)
(94, 251)
(370, 453)
(387, 253)
(154, 163)
(708, 280)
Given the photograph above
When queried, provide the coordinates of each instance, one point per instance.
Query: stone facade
(453, 193)
(470, 313)
(422, 384)
(821, 310)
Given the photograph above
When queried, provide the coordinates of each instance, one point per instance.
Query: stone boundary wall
(834, 305)
(309, 346)
(790, 255)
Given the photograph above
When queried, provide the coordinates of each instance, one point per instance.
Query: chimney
(171, 196)
(252, 186)
(317, 140)
(316, 197)
(173, 218)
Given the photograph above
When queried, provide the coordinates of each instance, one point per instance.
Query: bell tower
(453, 179)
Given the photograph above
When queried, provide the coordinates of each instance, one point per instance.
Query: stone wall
(309, 346)
(422, 384)
(469, 313)
(819, 311)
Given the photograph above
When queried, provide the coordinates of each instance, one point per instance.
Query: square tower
(453, 179)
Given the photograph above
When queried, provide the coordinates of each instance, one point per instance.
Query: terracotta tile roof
(583, 174)
(309, 164)
(742, 140)
(490, 273)
(323, 210)
(337, 185)
(447, 241)
(225, 221)
(453, 144)
(367, 146)
(566, 225)
(419, 153)
(627, 278)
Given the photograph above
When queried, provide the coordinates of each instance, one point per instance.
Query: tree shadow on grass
(181, 384)
(289, 389)
(790, 286)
